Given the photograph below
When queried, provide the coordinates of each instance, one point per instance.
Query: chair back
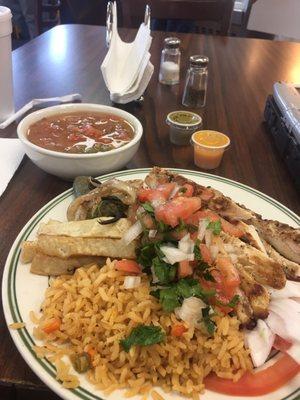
(211, 16)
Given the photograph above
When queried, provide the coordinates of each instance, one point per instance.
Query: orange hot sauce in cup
(209, 147)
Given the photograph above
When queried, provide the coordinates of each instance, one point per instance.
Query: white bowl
(67, 165)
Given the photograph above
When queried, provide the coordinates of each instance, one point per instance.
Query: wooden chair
(210, 16)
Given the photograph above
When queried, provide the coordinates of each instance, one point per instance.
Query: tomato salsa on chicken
(82, 132)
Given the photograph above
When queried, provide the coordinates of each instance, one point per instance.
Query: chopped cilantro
(232, 303)
(148, 207)
(202, 265)
(162, 227)
(146, 253)
(169, 299)
(181, 226)
(208, 276)
(164, 272)
(215, 227)
(143, 335)
(197, 251)
(173, 296)
(182, 189)
(209, 324)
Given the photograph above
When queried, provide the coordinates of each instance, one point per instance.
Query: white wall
(278, 17)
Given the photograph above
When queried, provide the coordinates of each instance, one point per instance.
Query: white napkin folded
(126, 68)
(11, 154)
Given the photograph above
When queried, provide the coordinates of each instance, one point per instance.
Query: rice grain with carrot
(95, 312)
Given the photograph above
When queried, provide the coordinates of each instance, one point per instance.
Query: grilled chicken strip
(244, 312)
(285, 239)
(125, 191)
(261, 267)
(291, 269)
(211, 198)
(257, 294)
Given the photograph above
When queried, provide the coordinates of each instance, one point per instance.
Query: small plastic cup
(182, 125)
(209, 147)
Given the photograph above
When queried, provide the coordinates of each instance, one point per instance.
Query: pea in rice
(96, 312)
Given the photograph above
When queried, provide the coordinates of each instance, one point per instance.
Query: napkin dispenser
(282, 116)
(126, 68)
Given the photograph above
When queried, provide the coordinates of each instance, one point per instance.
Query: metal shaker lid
(172, 42)
(199, 61)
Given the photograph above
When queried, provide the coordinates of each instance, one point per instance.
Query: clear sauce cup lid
(184, 119)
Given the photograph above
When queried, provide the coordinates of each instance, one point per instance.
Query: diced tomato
(91, 352)
(178, 330)
(75, 137)
(179, 235)
(129, 266)
(206, 256)
(227, 227)
(92, 132)
(231, 229)
(259, 383)
(281, 344)
(161, 192)
(202, 214)
(184, 269)
(230, 276)
(52, 325)
(147, 221)
(179, 208)
(187, 190)
(207, 194)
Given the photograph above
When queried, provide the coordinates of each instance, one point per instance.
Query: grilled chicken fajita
(203, 253)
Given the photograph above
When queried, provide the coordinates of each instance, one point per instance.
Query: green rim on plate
(9, 284)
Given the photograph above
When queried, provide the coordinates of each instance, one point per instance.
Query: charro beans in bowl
(80, 139)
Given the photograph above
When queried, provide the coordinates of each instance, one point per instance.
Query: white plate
(23, 292)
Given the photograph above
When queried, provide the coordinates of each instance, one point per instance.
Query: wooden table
(67, 59)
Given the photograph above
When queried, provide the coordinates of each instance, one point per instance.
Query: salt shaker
(170, 62)
(6, 83)
(194, 94)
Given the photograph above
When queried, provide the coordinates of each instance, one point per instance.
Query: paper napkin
(11, 154)
(126, 68)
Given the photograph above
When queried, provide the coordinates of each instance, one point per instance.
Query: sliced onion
(186, 244)
(259, 341)
(203, 224)
(174, 191)
(140, 211)
(157, 202)
(190, 311)
(174, 255)
(294, 352)
(133, 232)
(214, 251)
(208, 237)
(283, 326)
(131, 282)
(286, 306)
(154, 277)
(291, 289)
(152, 233)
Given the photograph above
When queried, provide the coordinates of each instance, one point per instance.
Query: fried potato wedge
(66, 246)
(29, 249)
(90, 228)
(43, 264)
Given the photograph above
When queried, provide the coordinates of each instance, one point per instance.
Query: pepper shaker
(170, 62)
(6, 83)
(194, 94)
